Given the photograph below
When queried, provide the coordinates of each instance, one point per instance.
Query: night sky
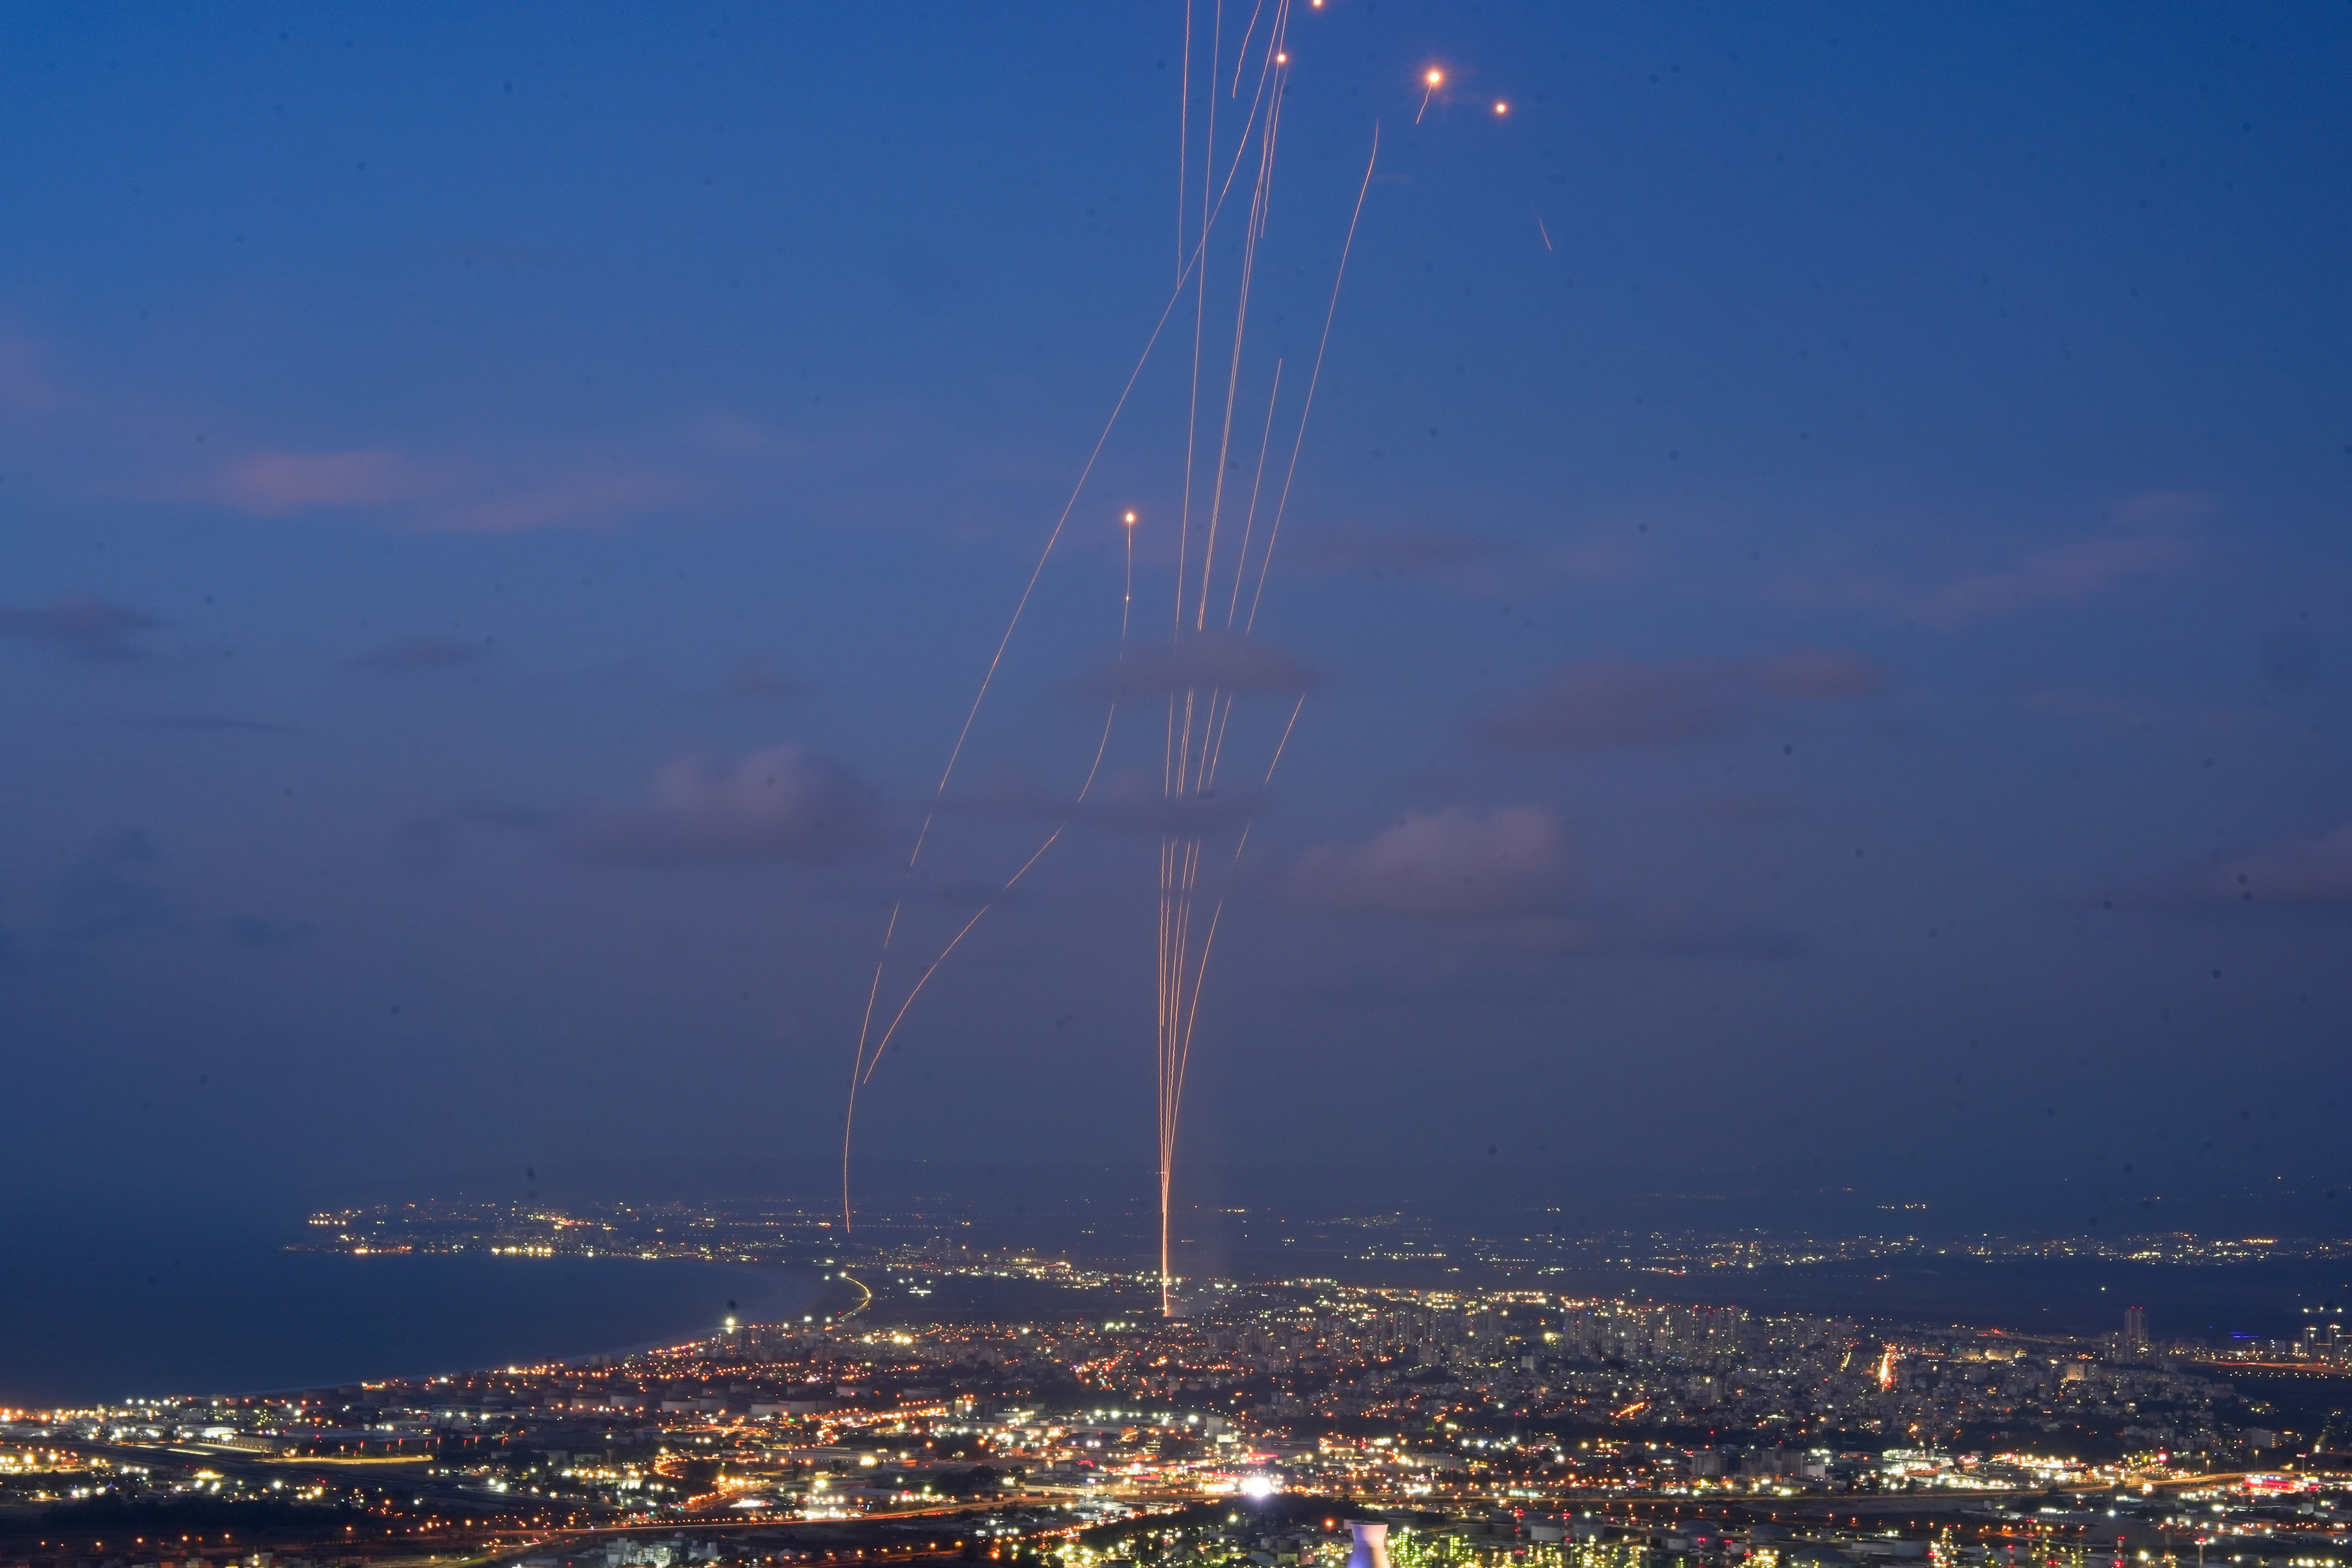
(1820, 568)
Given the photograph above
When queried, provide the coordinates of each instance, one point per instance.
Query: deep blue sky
(1824, 531)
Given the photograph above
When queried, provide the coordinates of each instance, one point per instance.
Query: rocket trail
(1086, 786)
(1212, 207)
(1189, 767)
(1197, 724)
(1313, 379)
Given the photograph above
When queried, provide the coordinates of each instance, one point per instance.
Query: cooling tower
(1371, 1549)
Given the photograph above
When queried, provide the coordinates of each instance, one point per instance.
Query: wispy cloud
(2074, 572)
(84, 627)
(2146, 536)
(444, 495)
(1129, 802)
(781, 804)
(420, 655)
(1204, 661)
(2311, 874)
(275, 483)
(1451, 863)
(114, 446)
(1609, 704)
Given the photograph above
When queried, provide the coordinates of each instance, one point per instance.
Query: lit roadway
(573, 1538)
(409, 1478)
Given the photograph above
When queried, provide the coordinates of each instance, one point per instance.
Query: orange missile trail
(1241, 56)
(1251, 232)
(1543, 231)
(867, 1050)
(1199, 320)
(1431, 83)
(1189, 768)
(1183, 138)
(1102, 745)
(1313, 379)
(1180, 859)
(1258, 481)
(1198, 722)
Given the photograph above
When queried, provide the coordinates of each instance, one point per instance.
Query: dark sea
(100, 1311)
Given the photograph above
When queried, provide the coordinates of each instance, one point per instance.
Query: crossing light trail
(869, 1045)
(1221, 563)
(1182, 973)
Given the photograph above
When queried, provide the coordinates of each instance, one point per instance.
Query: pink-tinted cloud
(575, 501)
(1448, 864)
(2146, 536)
(275, 483)
(83, 627)
(2312, 873)
(466, 498)
(2075, 572)
(781, 804)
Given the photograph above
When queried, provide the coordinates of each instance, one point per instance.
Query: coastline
(241, 1315)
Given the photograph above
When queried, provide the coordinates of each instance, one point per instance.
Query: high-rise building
(2135, 1340)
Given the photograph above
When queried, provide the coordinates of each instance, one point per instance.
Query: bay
(100, 1311)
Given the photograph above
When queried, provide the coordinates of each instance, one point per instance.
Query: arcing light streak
(1193, 751)
(1173, 1071)
(1241, 56)
(867, 1051)
(1251, 232)
(1190, 767)
(1086, 786)
(1183, 138)
(1313, 379)
(860, 1067)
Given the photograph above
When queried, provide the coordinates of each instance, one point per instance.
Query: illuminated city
(1190, 783)
(1507, 1424)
